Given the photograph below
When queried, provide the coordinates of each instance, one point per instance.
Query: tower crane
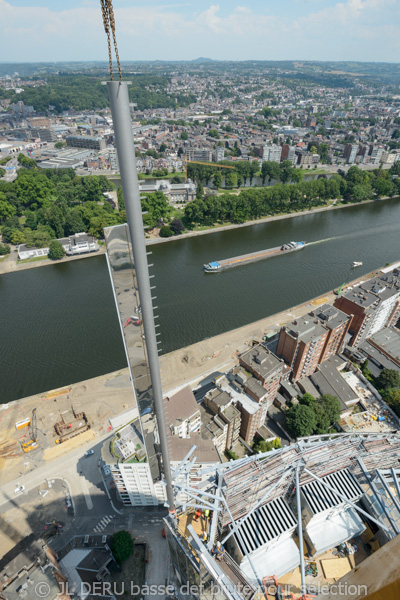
(32, 443)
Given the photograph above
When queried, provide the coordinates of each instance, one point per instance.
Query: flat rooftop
(331, 316)
(261, 360)
(328, 380)
(180, 406)
(306, 329)
(388, 340)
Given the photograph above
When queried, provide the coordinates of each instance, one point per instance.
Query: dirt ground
(100, 398)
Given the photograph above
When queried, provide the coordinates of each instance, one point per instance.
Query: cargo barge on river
(227, 263)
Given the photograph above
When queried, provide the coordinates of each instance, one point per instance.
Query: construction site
(285, 523)
(44, 427)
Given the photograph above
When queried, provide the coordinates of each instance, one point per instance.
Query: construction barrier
(23, 423)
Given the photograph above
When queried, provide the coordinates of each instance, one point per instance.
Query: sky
(62, 30)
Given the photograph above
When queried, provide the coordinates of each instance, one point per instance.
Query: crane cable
(109, 27)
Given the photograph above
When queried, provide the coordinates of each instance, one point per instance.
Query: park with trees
(42, 205)
(291, 194)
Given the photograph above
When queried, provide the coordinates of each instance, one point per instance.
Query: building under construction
(275, 514)
(70, 424)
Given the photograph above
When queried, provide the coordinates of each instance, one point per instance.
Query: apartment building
(227, 418)
(201, 154)
(219, 154)
(252, 417)
(350, 153)
(375, 154)
(252, 411)
(374, 304)
(266, 368)
(337, 323)
(313, 338)
(271, 153)
(182, 413)
(86, 141)
(301, 345)
(288, 153)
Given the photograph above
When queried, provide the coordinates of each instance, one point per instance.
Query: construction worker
(206, 513)
(219, 550)
(197, 515)
(204, 536)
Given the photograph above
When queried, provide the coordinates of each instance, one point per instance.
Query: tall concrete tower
(129, 271)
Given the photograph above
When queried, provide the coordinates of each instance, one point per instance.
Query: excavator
(32, 443)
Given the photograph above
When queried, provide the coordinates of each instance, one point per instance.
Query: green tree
(59, 145)
(217, 179)
(120, 198)
(26, 162)
(157, 207)
(34, 189)
(392, 398)
(261, 445)
(331, 406)
(199, 191)
(177, 226)
(17, 237)
(4, 249)
(162, 148)
(56, 251)
(184, 135)
(73, 223)
(313, 150)
(307, 399)
(323, 152)
(214, 133)
(231, 179)
(166, 231)
(122, 546)
(383, 187)
(30, 220)
(389, 378)
(271, 170)
(301, 420)
(7, 210)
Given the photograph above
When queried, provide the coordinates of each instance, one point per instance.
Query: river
(59, 325)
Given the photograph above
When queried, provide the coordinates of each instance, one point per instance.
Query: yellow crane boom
(207, 164)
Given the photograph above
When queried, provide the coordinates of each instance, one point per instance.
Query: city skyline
(356, 30)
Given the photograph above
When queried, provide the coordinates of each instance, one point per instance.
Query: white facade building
(272, 153)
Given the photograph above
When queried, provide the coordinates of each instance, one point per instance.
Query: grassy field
(34, 259)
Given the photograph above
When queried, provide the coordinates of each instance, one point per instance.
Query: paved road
(10, 174)
(82, 475)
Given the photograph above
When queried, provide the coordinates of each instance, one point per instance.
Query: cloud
(339, 31)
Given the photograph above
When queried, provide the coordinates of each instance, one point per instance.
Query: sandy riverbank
(111, 394)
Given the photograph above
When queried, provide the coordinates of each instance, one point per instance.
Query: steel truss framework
(235, 490)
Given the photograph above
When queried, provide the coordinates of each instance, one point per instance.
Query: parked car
(89, 452)
(106, 470)
(19, 489)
